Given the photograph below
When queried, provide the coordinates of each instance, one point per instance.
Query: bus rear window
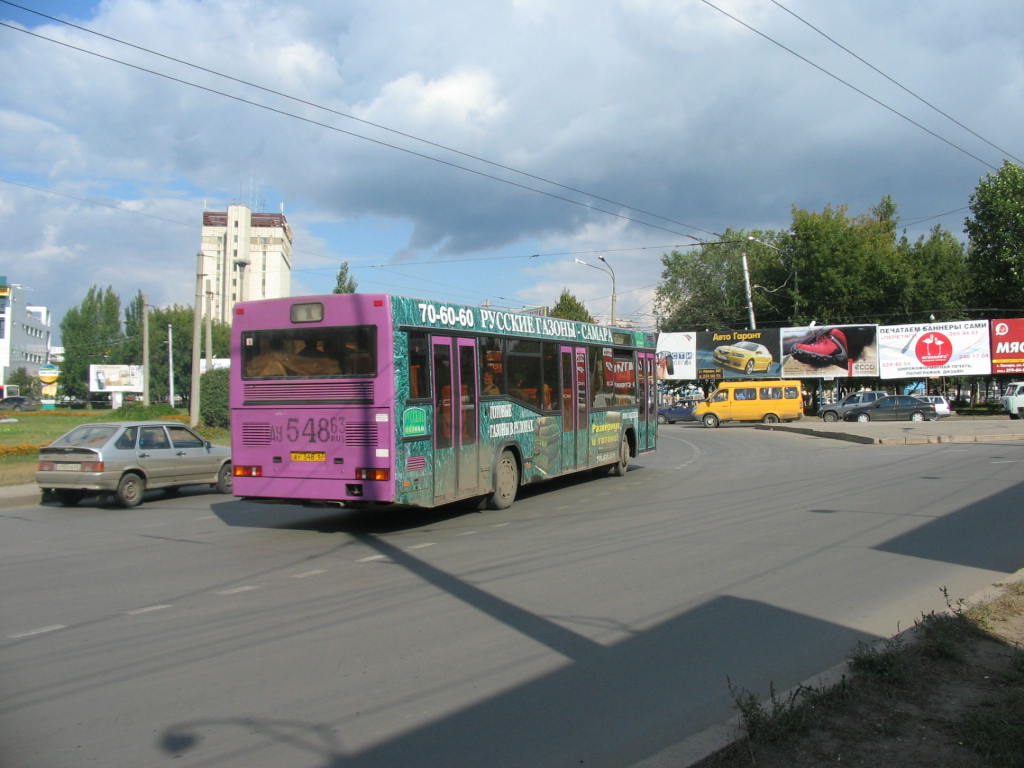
(304, 353)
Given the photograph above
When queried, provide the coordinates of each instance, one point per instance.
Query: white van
(1013, 399)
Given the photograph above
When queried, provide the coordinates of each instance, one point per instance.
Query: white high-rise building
(246, 256)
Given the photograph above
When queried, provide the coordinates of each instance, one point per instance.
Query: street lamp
(607, 269)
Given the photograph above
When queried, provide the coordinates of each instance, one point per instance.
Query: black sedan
(18, 403)
(893, 408)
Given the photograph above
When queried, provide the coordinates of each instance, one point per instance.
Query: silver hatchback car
(127, 457)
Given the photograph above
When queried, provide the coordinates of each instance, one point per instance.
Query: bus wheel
(506, 482)
(770, 418)
(619, 468)
(710, 420)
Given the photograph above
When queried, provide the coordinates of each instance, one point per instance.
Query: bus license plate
(309, 456)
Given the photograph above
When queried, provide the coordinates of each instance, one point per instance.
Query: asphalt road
(597, 622)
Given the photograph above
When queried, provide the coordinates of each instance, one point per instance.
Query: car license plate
(68, 467)
(309, 456)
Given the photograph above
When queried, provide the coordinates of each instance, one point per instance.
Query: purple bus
(360, 398)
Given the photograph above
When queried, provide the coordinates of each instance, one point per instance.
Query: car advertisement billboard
(677, 356)
(934, 349)
(829, 351)
(1008, 345)
(738, 354)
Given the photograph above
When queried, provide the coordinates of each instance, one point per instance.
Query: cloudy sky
(471, 151)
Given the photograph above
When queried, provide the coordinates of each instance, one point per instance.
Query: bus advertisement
(361, 398)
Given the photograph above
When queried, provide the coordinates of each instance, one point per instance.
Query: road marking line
(306, 574)
(371, 558)
(466, 533)
(421, 546)
(500, 525)
(236, 590)
(39, 631)
(207, 517)
(1004, 461)
(147, 609)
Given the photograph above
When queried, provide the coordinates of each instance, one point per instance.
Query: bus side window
(792, 393)
(418, 384)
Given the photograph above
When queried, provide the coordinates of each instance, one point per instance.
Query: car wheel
(770, 418)
(620, 467)
(710, 420)
(15, 407)
(830, 416)
(917, 416)
(662, 419)
(506, 482)
(863, 417)
(69, 497)
(225, 478)
(129, 490)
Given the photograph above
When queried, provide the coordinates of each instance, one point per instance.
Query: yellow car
(744, 356)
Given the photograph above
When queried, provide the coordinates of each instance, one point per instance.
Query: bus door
(647, 401)
(456, 431)
(575, 408)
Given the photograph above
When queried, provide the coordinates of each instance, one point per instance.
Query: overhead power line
(898, 84)
(348, 116)
(851, 86)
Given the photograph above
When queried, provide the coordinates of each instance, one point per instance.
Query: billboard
(115, 378)
(829, 351)
(934, 349)
(750, 354)
(1008, 345)
(677, 356)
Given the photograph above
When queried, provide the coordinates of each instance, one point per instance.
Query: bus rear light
(370, 473)
(241, 470)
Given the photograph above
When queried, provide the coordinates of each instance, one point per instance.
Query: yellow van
(766, 401)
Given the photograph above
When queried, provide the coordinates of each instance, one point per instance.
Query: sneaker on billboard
(828, 347)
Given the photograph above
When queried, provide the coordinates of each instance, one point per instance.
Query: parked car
(682, 411)
(837, 411)
(1012, 400)
(18, 403)
(746, 356)
(128, 457)
(893, 408)
(942, 406)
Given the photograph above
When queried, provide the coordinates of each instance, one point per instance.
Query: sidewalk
(953, 429)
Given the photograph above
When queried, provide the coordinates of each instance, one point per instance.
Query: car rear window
(90, 435)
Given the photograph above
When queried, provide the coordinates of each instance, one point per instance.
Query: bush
(136, 411)
(214, 410)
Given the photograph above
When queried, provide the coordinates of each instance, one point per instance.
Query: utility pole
(209, 327)
(170, 363)
(197, 342)
(746, 285)
(145, 351)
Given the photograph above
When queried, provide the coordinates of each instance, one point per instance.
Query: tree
(570, 308)
(995, 254)
(91, 334)
(180, 320)
(346, 283)
(703, 288)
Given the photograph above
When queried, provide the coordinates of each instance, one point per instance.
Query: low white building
(24, 332)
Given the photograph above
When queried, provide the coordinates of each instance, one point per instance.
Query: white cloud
(671, 108)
